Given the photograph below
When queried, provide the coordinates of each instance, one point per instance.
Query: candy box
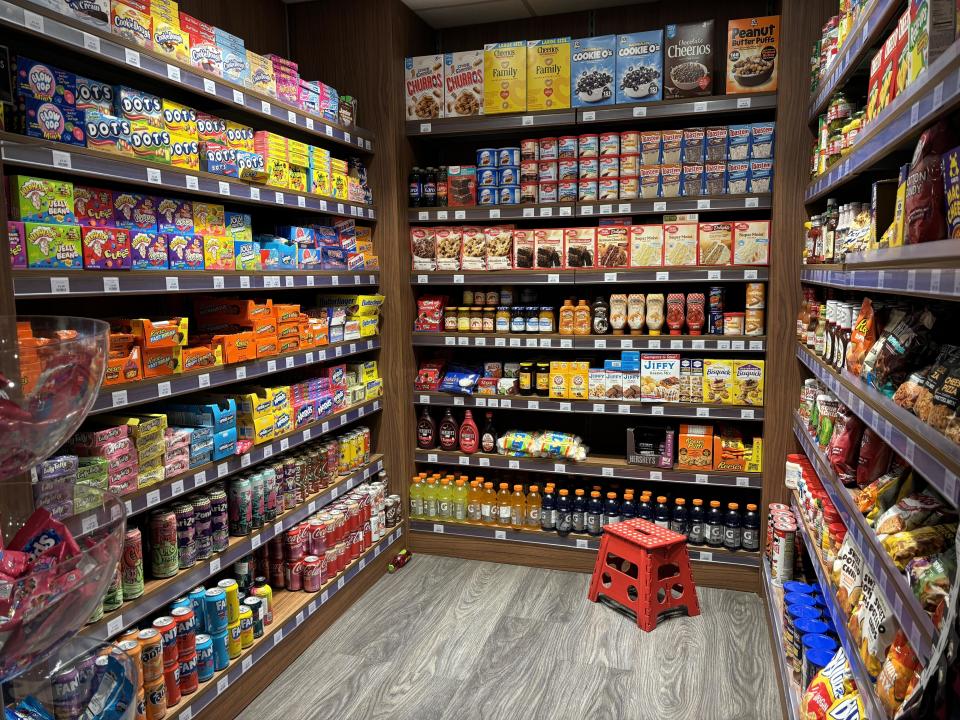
(224, 443)
(593, 70)
(252, 167)
(208, 219)
(132, 21)
(235, 68)
(45, 83)
(135, 105)
(695, 447)
(297, 179)
(309, 258)
(246, 254)
(239, 137)
(184, 251)
(106, 248)
(218, 253)
(18, 247)
(123, 367)
(148, 250)
(184, 151)
(108, 133)
(93, 207)
(278, 172)
(169, 38)
(161, 362)
(52, 122)
(204, 52)
(266, 345)
(41, 200)
(174, 215)
(53, 246)
(135, 212)
(149, 143)
(276, 253)
(218, 159)
(179, 118)
(92, 12)
(260, 76)
(639, 67)
(94, 95)
(211, 129)
(199, 357)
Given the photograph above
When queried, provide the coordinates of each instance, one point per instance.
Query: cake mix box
(53, 246)
(679, 244)
(463, 83)
(548, 74)
(41, 200)
(423, 85)
(753, 46)
(148, 251)
(751, 242)
(688, 60)
(504, 77)
(135, 212)
(716, 243)
(548, 247)
(646, 245)
(93, 207)
(106, 248)
(593, 70)
(660, 377)
(639, 67)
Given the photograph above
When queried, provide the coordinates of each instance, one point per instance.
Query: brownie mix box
(688, 60)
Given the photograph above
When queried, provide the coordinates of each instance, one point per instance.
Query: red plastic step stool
(645, 568)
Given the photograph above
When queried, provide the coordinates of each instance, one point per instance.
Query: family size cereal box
(688, 60)
(106, 248)
(463, 83)
(504, 77)
(751, 242)
(135, 212)
(753, 49)
(646, 245)
(131, 20)
(933, 28)
(423, 84)
(548, 74)
(148, 251)
(53, 246)
(593, 69)
(639, 67)
(41, 200)
(93, 207)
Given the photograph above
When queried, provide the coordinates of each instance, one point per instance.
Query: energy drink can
(231, 591)
(257, 504)
(246, 627)
(203, 530)
(186, 535)
(243, 572)
(219, 519)
(256, 610)
(164, 544)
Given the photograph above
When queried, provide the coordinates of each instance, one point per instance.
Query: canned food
(733, 323)
(486, 157)
(548, 148)
(567, 191)
(510, 195)
(231, 590)
(589, 168)
(609, 144)
(629, 165)
(753, 321)
(487, 196)
(486, 177)
(567, 170)
(609, 166)
(717, 294)
(548, 192)
(587, 190)
(782, 551)
(508, 175)
(529, 192)
(629, 142)
(529, 171)
(508, 156)
(608, 189)
(529, 149)
(629, 188)
(588, 146)
(547, 170)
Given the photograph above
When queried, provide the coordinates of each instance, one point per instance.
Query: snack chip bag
(833, 682)
(848, 574)
(863, 336)
(897, 674)
(849, 707)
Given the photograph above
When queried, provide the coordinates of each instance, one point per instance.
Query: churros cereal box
(108, 133)
(131, 20)
(753, 46)
(208, 219)
(179, 118)
(463, 83)
(505, 77)
(106, 248)
(134, 211)
(646, 245)
(548, 74)
(148, 251)
(423, 84)
(53, 246)
(41, 200)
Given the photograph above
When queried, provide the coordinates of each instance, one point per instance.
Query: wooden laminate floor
(447, 638)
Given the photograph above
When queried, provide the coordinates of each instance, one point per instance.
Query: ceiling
(455, 13)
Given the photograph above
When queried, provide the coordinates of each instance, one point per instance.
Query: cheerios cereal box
(463, 83)
(423, 86)
(753, 54)
(505, 77)
(548, 74)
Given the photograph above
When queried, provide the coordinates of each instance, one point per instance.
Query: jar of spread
(543, 379)
(518, 321)
(450, 319)
(463, 319)
(502, 320)
(489, 319)
(525, 378)
(476, 319)
(493, 298)
(467, 297)
(548, 321)
(566, 318)
(506, 296)
(618, 313)
(654, 313)
(636, 306)
(479, 298)
(532, 316)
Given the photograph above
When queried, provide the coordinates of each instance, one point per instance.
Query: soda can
(131, 565)
(203, 529)
(312, 574)
(219, 519)
(243, 572)
(241, 506)
(278, 573)
(257, 504)
(393, 510)
(205, 662)
(246, 627)
(293, 541)
(215, 610)
(233, 640)
(316, 536)
(269, 494)
(171, 682)
(167, 627)
(67, 694)
(186, 630)
(163, 544)
(113, 598)
(231, 589)
(256, 610)
(263, 591)
(221, 659)
(141, 704)
(151, 654)
(89, 677)
(155, 693)
(188, 674)
(186, 535)
(293, 575)
(196, 604)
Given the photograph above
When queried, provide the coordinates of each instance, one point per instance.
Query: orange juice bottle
(519, 509)
(504, 505)
(488, 505)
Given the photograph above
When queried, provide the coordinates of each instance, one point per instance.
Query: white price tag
(244, 281)
(480, 342)
(586, 210)
(743, 482)
(480, 402)
(599, 344)
(426, 127)
(513, 464)
(676, 344)
(203, 380)
(736, 344)
(173, 284)
(271, 281)
(526, 120)
(246, 663)
(698, 344)
(340, 583)
(623, 409)
(566, 211)
(255, 542)
(653, 344)
(449, 340)
(442, 214)
(334, 280)
(565, 407)
(324, 596)
(115, 626)
(623, 208)
(484, 462)
(546, 212)
(663, 276)
(215, 566)
(224, 682)
(606, 472)
(91, 42)
(699, 107)
(610, 277)
(582, 544)
(458, 401)
(163, 389)
(463, 340)
(111, 284)
(506, 403)
(288, 362)
(200, 478)
(659, 206)
(713, 274)
(914, 113)
(606, 209)
(749, 274)
(291, 117)
(278, 198)
(937, 95)
(743, 103)
(529, 212)
(131, 57)
(301, 201)
(119, 398)
(589, 116)
(209, 86)
(192, 182)
(546, 342)
(265, 107)
(559, 468)
(756, 344)
(723, 344)
(285, 443)
(640, 111)
(499, 535)
(61, 159)
(278, 637)
(706, 556)
(599, 408)
(751, 202)
(218, 283)
(701, 478)
(88, 524)
(245, 460)
(186, 713)
(176, 488)
(238, 98)
(288, 280)
(431, 457)
(223, 469)
(153, 176)
(566, 343)
(153, 498)
(328, 130)
(746, 414)
(656, 475)
(656, 410)
(703, 412)
(493, 213)
(703, 204)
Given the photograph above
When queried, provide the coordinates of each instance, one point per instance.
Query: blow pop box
(94, 95)
(45, 83)
(174, 215)
(106, 248)
(41, 200)
(18, 248)
(135, 212)
(49, 121)
(93, 207)
(184, 251)
(148, 251)
(108, 133)
(53, 246)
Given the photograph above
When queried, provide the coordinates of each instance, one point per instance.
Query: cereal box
(463, 83)
(613, 246)
(131, 20)
(646, 245)
(688, 60)
(184, 251)
(753, 46)
(881, 77)
(474, 248)
(933, 28)
(53, 246)
(184, 151)
(718, 381)
(900, 60)
(716, 243)
(593, 70)
(548, 74)
(581, 247)
(423, 248)
(639, 67)
(423, 84)
(660, 377)
(751, 242)
(106, 248)
(498, 243)
(93, 95)
(524, 245)
(695, 447)
(134, 211)
(448, 248)
(92, 12)
(108, 133)
(174, 215)
(41, 200)
(747, 382)
(45, 83)
(679, 243)
(504, 77)
(208, 219)
(16, 235)
(48, 121)
(548, 247)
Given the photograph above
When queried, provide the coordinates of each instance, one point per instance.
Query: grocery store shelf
(113, 397)
(157, 593)
(595, 466)
(198, 477)
(76, 36)
(492, 212)
(594, 276)
(481, 124)
(774, 595)
(932, 455)
(647, 409)
(914, 621)
(713, 105)
(935, 93)
(922, 282)
(572, 541)
(290, 610)
(79, 283)
(864, 35)
(43, 155)
(937, 253)
(595, 342)
(861, 677)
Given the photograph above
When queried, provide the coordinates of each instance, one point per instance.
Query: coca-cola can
(294, 575)
(330, 558)
(312, 574)
(317, 536)
(293, 541)
(278, 574)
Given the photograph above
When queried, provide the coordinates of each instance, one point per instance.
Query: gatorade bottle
(488, 505)
(443, 500)
(518, 510)
(645, 511)
(750, 537)
(611, 509)
(564, 514)
(714, 525)
(473, 502)
(533, 507)
(661, 513)
(594, 514)
(460, 500)
(696, 536)
(416, 498)
(628, 508)
(678, 523)
(430, 499)
(579, 511)
(548, 513)
(731, 527)
(504, 505)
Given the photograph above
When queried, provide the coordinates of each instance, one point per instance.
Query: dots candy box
(108, 133)
(149, 142)
(184, 251)
(179, 118)
(174, 215)
(106, 248)
(48, 121)
(93, 95)
(41, 200)
(135, 212)
(137, 105)
(148, 250)
(53, 246)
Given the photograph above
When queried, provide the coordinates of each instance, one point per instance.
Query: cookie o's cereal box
(93, 207)
(548, 74)
(753, 54)
(593, 70)
(463, 83)
(131, 20)
(505, 77)
(423, 85)
(53, 246)
(640, 67)
(106, 248)
(41, 200)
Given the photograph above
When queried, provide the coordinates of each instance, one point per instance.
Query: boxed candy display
(41, 200)
(53, 246)
(106, 248)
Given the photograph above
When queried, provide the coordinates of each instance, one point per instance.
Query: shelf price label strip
(612, 342)
(596, 277)
(935, 282)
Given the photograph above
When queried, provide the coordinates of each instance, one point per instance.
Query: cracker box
(18, 248)
(174, 215)
(48, 121)
(423, 84)
(135, 105)
(53, 246)
(613, 246)
(548, 74)
(593, 69)
(131, 20)
(208, 219)
(134, 211)
(148, 251)
(548, 248)
(184, 251)
(646, 245)
(751, 242)
(639, 67)
(179, 119)
(688, 60)
(679, 244)
(108, 133)
(463, 83)
(41, 200)
(581, 247)
(106, 248)
(184, 151)
(718, 381)
(753, 53)
(93, 207)
(660, 377)
(716, 243)
(92, 12)
(747, 382)
(94, 95)
(149, 143)
(695, 447)
(45, 83)
(504, 77)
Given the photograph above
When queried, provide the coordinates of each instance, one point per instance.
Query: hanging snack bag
(870, 358)
(833, 682)
(862, 337)
(922, 508)
(827, 407)
(905, 346)
(843, 446)
(925, 202)
(874, 458)
(848, 574)
(898, 674)
(904, 546)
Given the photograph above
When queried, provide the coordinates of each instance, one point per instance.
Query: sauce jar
(468, 297)
(548, 320)
(502, 320)
(450, 319)
(463, 319)
(493, 298)
(525, 378)
(532, 317)
(476, 319)
(542, 379)
(489, 319)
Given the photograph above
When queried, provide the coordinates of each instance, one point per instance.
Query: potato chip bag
(896, 675)
(833, 682)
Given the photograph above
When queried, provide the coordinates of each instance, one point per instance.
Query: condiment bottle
(566, 318)
(654, 313)
(675, 313)
(695, 313)
(581, 318)
(488, 441)
(449, 432)
(600, 317)
(426, 431)
(618, 313)
(469, 435)
(636, 307)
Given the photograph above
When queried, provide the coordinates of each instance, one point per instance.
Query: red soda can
(312, 574)
(276, 548)
(294, 575)
(188, 674)
(367, 534)
(318, 534)
(356, 544)
(278, 574)
(342, 553)
(186, 630)
(171, 679)
(293, 541)
(330, 558)
(167, 627)
(333, 527)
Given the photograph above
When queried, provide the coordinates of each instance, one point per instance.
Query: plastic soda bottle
(532, 519)
(488, 505)
(504, 505)
(564, 514)
(518, 509)
(611, 509)
(714, 525)
(579, 511)
(594, 515)
(548, 513)
(430, 499)
(731, 527)
(696, 536)
(750, 537)
(460, 500)
(678, 523)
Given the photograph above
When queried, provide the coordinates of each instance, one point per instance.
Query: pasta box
(593, 69)
(49, 121)
(41, 200)
(135, 212)
(93, 207)
(148, 250)
(53, 246)
(106, 248)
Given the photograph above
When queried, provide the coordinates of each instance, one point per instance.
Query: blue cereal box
(50, 121)
(45, 83)
(93, 95)
(640, 67)
(593, 63)
(137, 105)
